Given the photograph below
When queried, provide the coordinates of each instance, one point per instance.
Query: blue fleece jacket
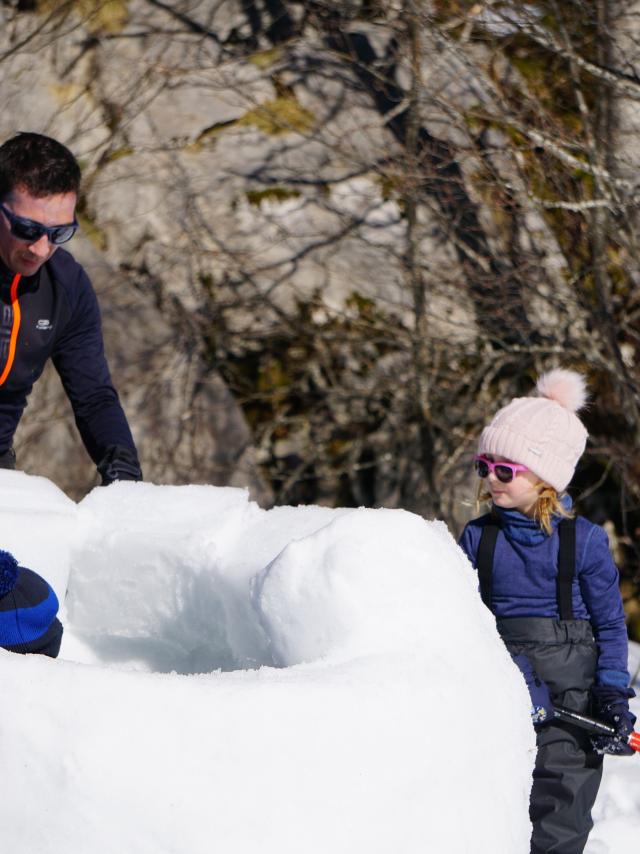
(524, 582)
(59, 319)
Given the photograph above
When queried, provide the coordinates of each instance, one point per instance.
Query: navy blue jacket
(524, 582)
(59, 319)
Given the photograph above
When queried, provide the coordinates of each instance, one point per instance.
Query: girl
(549, 578)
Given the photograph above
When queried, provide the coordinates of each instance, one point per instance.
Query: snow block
(38, 522)
(348, 691)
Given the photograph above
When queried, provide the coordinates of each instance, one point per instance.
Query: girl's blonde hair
(546, 507)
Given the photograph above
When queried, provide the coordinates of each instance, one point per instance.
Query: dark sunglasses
(31, 231)
(505, 472)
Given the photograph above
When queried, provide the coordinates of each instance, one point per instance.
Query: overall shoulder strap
(566, 567)
(484, 558)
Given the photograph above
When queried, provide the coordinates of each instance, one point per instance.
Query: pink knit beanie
(543, 433)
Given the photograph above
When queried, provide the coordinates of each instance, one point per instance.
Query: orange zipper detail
(15, 305)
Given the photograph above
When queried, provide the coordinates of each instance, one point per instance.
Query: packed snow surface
(235, 679)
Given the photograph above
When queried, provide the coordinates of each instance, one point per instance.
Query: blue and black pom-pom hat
(28, 610)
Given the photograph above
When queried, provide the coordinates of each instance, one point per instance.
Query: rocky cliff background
(331, 238)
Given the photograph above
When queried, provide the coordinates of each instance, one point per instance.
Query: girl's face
(520, 494)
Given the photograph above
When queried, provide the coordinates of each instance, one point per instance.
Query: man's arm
(79, 358)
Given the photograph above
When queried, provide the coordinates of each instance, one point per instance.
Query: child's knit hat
(543, 433)
(28, 608)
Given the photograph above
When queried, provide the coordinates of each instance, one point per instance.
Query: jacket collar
(27, 283)
(523, 529)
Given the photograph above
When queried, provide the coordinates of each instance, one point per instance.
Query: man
(48, 308)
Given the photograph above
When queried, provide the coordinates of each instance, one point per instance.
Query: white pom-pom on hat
(568, 388)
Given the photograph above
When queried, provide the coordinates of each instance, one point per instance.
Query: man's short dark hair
(39, 164)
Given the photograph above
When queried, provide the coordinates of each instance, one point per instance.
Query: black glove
(119, 463)
(541, 705)
(611, 705)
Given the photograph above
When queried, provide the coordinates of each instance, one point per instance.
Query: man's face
(23, 257)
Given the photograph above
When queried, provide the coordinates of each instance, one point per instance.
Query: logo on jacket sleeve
(43, 325)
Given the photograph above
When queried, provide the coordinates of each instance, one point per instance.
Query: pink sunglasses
(505, 472)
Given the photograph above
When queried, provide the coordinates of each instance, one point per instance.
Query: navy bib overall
(563, 653)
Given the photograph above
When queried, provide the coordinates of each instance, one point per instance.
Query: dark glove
(611, 705)
(541, 705)
(119, 463)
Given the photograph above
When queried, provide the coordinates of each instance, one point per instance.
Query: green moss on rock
(276, 194)
(279, 116)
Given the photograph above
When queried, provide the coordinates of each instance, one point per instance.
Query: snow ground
(298, 679)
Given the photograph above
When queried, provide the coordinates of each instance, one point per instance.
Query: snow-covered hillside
(235, 679)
